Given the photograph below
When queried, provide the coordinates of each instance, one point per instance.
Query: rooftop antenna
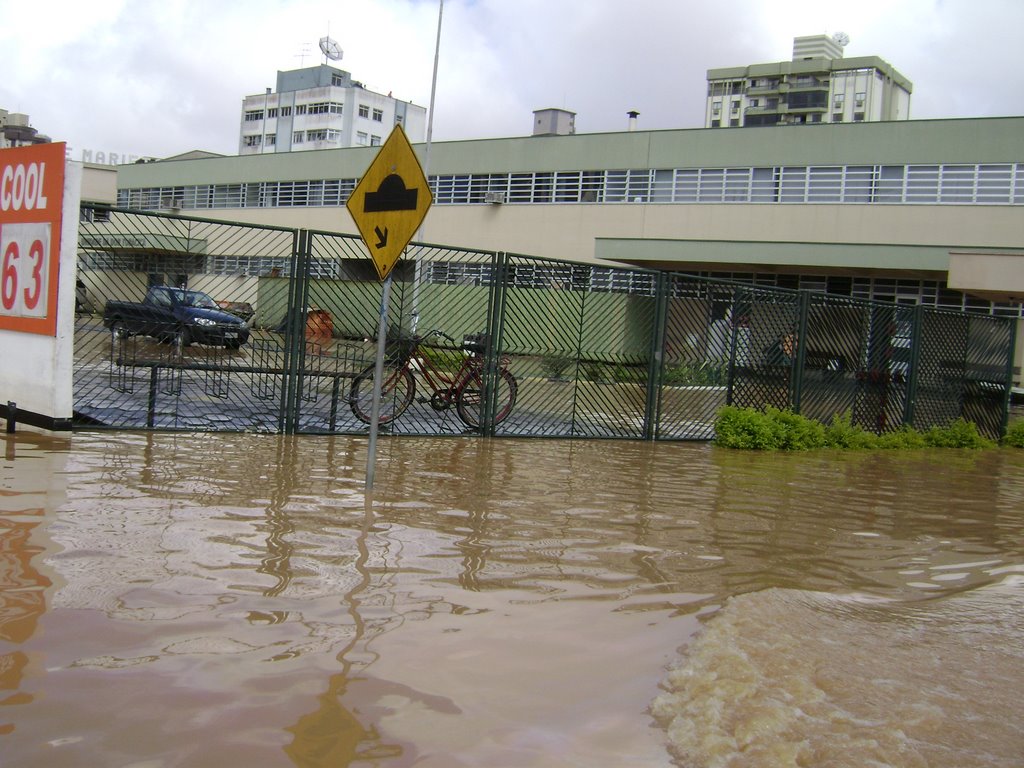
(330, 49)
(302, 54)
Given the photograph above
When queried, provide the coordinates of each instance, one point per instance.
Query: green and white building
(918, 212)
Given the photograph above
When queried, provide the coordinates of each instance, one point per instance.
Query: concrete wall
(99, 184)
(36, 370)
(975, 272)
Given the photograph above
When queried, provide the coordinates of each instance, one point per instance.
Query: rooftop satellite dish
(841, 39)
(330, 49)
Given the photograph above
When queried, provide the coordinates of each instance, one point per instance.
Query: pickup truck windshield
(194, 299)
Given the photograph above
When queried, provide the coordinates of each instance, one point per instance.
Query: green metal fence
(585, 351)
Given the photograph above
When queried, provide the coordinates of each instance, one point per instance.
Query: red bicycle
(464, 388)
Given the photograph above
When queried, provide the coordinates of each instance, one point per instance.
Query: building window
(959, 184)
(362, 138)
(298, 137)
(838, 100)
(734, 122)
(364, 111)
(325, 107)
(300, 109)
(374, 141)
(252, 141)
(378, 115)
(272, 113)
(253, 115)
(735, 105)
(858, 117)
(837, 117)
(337, 79)
(286, 111)
(716, 107)
(825, 184)
(860, 98)
(271, 139)
(995, 183)
(716, 123)
(317, 135)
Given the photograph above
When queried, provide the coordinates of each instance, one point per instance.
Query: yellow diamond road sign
(390, 201)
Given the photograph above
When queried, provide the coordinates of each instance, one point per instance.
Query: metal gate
(283, 321)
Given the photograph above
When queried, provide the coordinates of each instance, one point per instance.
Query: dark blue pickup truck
(176, 315)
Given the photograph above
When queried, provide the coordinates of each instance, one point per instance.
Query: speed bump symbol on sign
(390, 201)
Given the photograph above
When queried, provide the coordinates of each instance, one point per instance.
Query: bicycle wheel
(396, 392)
(468, 401)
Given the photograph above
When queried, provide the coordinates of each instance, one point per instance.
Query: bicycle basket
(475, 343)
(400, 348)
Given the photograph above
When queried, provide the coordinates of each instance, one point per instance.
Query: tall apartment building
(322, 107)
(818, 85)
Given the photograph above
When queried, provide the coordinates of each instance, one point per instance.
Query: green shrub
(694, 375)
(775, 429)
(746, 428)
(444, 359)
(768, 430)
(1014, 436)
(593, 370)
(843, 433)
(555, 366)
(628, 374)
(906, 437)
(959, 434)
(796, 433)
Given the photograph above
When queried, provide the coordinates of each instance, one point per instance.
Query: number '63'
(28, 268)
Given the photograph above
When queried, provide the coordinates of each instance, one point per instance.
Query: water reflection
(494, 603)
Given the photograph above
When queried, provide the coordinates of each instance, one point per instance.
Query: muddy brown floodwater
(236, 600)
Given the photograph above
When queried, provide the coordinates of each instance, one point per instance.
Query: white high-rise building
(322, 107)
(818, 85)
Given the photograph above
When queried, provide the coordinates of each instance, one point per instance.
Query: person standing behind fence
(789, 347)
(782, 351)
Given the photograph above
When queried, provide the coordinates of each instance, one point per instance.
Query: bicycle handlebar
(419, 338)
(439, 332)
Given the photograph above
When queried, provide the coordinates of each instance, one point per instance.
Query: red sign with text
(31, 206)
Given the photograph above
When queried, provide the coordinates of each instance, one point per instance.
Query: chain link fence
(190, 324)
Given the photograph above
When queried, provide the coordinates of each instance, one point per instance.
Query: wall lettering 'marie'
(107, 158)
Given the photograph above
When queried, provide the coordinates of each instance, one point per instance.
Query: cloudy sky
(160, 77)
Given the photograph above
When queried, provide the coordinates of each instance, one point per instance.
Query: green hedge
(1015, 435)
(782, 430)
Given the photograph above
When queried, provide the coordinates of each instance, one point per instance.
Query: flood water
(236, 600)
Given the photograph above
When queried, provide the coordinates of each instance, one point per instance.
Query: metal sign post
(388, 205)
(378, 374)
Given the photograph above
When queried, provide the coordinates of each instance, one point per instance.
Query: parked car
(176, 315)
(241, 308)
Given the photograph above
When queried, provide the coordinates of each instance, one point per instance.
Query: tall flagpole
(433, 85)
(417, 273)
